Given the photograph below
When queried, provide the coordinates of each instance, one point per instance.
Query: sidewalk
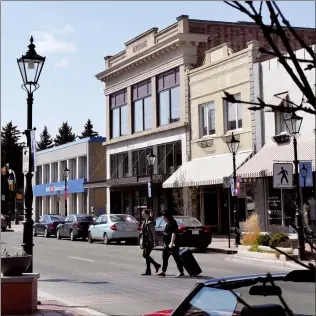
(220, 245)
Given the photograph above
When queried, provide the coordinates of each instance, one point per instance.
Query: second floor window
(119, 114)
(233, 114)
(169, 97)
(119, 165)
(140, 164)
(142, 106)
(207, 119)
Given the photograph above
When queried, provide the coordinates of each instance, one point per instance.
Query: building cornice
(155, 52)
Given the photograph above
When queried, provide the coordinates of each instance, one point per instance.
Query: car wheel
(34, 232)
(140, 242)
(106, 239)
(46, 233)
(72, 236)
(90, 240)
(3, 229)
(58, 234)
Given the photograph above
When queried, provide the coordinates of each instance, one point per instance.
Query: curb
(45, 296)
(222, 250)
(265, 263)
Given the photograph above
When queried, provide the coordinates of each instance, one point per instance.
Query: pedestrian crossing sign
(283, 175)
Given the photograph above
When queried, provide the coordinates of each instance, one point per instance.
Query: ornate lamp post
(233, 142)
(66, 175)
(30, 65)
(151, 158)
(293, 124)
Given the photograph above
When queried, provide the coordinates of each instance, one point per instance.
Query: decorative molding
(206, 143)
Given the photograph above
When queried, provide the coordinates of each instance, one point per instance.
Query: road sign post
(306, 173)
(283, 175)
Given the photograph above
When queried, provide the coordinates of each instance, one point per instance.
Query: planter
(15, 266)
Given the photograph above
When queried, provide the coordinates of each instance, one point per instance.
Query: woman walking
(171, 247)
(149, 241)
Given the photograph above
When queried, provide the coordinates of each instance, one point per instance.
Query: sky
(75, 36)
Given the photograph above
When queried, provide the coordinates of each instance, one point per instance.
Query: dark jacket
(171, 227)
(149, 234)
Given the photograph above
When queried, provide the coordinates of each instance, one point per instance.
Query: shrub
(263, 240)
(277, 239)
(252, 230)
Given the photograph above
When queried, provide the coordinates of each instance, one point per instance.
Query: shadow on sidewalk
(73, 281)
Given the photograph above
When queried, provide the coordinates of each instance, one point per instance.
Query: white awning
(261, 164)
(205, 171)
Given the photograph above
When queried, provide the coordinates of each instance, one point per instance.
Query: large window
(207, 119)
(119, 114)
(142, 106)
(140, 164)
(169, 97)
(119, 165)
(233, 114)
(169, 157)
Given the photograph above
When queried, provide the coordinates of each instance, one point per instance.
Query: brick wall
(239, 34)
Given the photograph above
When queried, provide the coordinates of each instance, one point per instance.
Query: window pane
(120, 98)
(211, 119)
(148, 113)
(135, 163)
(204, 113)
(164, 108)
(169, 80)
(120, 161)
(177, 76)
(178, 155)
(170, 158)
(113, 166)
(160, 83)
(175, 104)
(112, 100)
(125, 165)
(138, 116)
(142, 90)
(161, 159)
(134, 92)
(239, 114)
(124, 120)
(142, 162)
(115, 122)
(231, 115)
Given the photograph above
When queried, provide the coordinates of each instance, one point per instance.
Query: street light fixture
(233, 143)
(66, 175)
(30, 65)
(151, 158)
(293, 124)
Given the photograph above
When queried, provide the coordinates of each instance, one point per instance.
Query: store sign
(73, 186)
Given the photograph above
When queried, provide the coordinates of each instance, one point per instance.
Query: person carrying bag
(171, 247)
(149, 241)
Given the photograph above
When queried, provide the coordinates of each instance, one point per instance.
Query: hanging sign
(26, 159)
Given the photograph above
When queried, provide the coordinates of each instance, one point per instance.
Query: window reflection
(169, 157)
(115, 122)
(164, 108)
(124, 120)
(175, 104)
(138, 116)
(148, 113)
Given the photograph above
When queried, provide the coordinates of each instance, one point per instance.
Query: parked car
(191, 233)
(3, 223)
(47, 225)
(115, 227)
(74, 226)
(215, 297)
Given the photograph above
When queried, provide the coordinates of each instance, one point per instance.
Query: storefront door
(211, 208)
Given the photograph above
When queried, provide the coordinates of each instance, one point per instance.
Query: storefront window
(250, 199)
(169, 157)
(119, 165)
(140, 164)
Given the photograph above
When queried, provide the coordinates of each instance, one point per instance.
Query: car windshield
(57, 218)
(188, 221)
(122, 218)
(84, 218)
(211, 301)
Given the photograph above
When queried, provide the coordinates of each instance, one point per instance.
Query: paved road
(107, 278)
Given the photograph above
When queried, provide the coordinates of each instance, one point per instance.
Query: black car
(75, 226)
(47, 224)
(191, 233)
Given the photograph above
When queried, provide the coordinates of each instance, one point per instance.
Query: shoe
(162, 274)
(179, 275)
(146, 273)
(158, 266)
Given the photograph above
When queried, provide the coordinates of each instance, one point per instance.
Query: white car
(115, 227)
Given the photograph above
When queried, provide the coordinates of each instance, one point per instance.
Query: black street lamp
(233, 142)
(66, 174)
(293, 124)
(151, 158)
(30, 65)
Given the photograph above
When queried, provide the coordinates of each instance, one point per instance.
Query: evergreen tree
(11, 150)
(88, 130)
(46, 140)
(65, 135)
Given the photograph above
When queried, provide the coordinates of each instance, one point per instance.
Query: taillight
(113, 227)
(182, 229)
(51, 225)
(79, 225)
(207, 229)
(139, 227)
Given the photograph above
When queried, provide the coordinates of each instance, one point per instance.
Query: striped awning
(205, 171)
(261, 164)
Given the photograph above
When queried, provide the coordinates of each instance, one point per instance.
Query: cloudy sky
(75, 36)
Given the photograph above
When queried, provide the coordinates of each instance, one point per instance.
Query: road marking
(19, 248)
(83, 259)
